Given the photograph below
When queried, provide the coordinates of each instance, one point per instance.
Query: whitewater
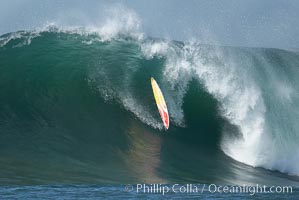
(64, 88)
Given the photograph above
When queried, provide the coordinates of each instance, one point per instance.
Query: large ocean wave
(77, 103)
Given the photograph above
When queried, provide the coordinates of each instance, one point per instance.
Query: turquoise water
(78, 109)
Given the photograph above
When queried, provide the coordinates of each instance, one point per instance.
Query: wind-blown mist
(269, 23)
(77, 102)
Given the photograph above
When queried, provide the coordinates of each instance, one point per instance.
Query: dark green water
(78, 110)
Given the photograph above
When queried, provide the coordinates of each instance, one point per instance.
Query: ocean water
(78, 118)
(119, 192)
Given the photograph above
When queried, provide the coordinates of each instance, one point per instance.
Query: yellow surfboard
(160, 103)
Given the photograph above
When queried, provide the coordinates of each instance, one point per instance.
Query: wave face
(77, 106)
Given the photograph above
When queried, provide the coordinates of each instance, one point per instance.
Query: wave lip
(101, 75)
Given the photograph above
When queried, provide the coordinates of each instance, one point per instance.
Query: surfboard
(160, 103)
